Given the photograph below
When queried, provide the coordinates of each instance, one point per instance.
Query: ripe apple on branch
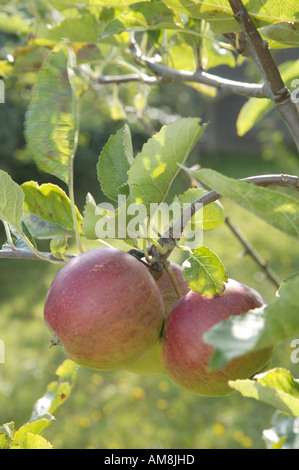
(136, 310)
(108, 311)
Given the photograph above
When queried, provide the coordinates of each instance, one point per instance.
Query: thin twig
(167, 238)
(130, 77)
(250, 250)
(29, 255)
(149, 129)
(118, 79)
(260, 53)
(8, 236)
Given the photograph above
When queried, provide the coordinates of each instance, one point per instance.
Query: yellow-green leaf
(52, 119)
(47, 210)
(277, 387)
(11, 200)
(33, 441)
(205, 272)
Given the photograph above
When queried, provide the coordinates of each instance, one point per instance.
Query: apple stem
(8, 236)
(161, 249)
(39, 255)
(145, 251)
(173, 279)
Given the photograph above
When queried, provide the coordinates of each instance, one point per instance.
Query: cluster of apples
(109, 313)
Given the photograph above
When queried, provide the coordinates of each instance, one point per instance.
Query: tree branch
(168, 240)
(199, 76)
(29, 255)
(118, 79)
(166, 74)
(260, 53)
(249, 249)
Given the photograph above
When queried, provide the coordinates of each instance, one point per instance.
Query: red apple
(151, 364)
(186, 356)
(105, 308)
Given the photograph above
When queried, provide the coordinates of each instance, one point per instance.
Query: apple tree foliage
(62, 48)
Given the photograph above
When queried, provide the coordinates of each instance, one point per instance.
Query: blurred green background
(120, 410)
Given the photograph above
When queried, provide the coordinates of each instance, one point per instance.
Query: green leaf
(235, 336)
(18, 240)
(155, 167)
(28, 58)
(255, 109)
(14, 24)
(47, 210)
(65, 4)
(276, 387)
(6, 434)
(8, 429)
(277, 209)
(59, 246)
(27, 436)
(33, 427)
(252, 112)
(281, 35)
(143, 17)
(105, 221)
(257, 329)
(217, 12)
(90, 218)
(210, 216)
(212, 54)
(33, 441)
(52, 119)
(11, 200)
(94, 215)
(114, 163)
(84, 29)
(205, 272)
(181, 56)
(220, 15)
(67, 371)
(57, 392)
